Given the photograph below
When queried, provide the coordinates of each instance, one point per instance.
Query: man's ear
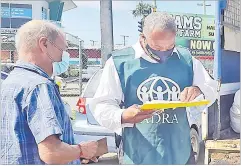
(142, 37)
(43, 44)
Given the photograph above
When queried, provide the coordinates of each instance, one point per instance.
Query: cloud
(116, 5)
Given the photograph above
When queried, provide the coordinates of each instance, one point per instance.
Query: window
(44, 13)
(17, 22)
(5, 23)
(21, 11)
(5, 10)
(15, 15)
(5, 15)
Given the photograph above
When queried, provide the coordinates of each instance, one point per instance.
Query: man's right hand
(133, 115)
(88, 149)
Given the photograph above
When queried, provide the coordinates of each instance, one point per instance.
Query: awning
(68, 4)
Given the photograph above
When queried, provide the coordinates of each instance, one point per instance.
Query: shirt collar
(139, 52)
(33, 68)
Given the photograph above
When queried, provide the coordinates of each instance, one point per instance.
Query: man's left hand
(190, 93)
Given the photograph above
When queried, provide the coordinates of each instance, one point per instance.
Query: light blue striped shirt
(31, 110)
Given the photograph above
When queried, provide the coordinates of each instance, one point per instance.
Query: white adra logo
(155, 88)
(159, 88)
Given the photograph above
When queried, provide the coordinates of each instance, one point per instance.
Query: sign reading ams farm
(196, 32)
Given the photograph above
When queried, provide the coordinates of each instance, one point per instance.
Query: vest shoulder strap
(123, 54)
(185, 54)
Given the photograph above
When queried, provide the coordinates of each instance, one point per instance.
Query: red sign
(81, 105)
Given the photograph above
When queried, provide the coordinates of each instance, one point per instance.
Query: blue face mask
(160, 56)
(61, 67)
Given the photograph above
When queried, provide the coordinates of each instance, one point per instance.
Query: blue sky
(84, 21)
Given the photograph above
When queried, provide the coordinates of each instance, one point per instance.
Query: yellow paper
(160, 105)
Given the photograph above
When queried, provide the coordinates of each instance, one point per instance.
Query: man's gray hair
(159, 20)
(28, 34)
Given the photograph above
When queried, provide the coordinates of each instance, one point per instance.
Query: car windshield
(92, 85)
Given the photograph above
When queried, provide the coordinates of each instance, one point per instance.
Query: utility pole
(204, 6)
(93, 42)
(106, 24)
(155, 6)
(124, 37)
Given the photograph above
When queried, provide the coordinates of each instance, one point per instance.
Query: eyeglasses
(60, 49)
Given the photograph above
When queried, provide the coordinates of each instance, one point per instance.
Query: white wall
(232, 39)
(36, 7)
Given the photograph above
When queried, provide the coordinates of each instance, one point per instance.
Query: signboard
(8, 31)
(8, 38)
(207, 62)
(5, 12)
(21, 13)
(16, 10)
(195, 32)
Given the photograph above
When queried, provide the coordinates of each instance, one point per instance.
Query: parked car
(90, 71)
(235, 113)
(90, 127)
(84, 125)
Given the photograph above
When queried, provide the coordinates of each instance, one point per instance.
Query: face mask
(61, 67)
(160, 56)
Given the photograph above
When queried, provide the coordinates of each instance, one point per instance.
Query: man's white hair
(28, 34)
(159, 20)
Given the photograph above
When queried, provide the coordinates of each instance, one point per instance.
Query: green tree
(141, 9)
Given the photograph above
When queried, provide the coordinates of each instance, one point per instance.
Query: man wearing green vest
(153, 69)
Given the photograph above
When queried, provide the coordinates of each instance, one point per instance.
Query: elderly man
(35, 128)
(153, 69)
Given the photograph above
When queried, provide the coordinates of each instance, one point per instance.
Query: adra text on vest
(188, 26)
(162, 118)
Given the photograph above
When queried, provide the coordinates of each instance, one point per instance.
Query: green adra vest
(164, 138)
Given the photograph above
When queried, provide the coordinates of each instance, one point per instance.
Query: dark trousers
(191, 160)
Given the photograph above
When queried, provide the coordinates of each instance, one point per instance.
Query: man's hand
(86, 161)
(89, 150)
(134, 115)
(190, 93)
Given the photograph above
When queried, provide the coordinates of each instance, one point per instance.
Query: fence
(231, 23)
(232, 14)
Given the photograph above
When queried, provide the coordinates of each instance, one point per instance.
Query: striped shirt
(31, 110)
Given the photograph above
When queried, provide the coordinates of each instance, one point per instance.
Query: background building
(16, 13)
